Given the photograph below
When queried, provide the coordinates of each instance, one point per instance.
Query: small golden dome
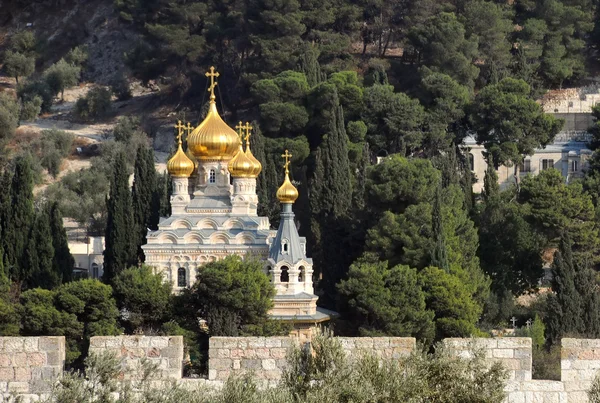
(255, 163)
(213, 139)
(240, 166)
(180, 166)
(287, 193)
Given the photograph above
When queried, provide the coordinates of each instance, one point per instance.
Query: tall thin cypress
(20, 218)
(40, 255)
(439, 254)
(63, 261)
(154, 184)
(491, 189)
(120, 249)
(5, 208)
(358, 195)
(263, 191)
(144, 185)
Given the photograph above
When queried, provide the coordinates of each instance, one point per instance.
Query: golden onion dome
(240, 166)
(180, 166)
(287, 193)
(213, 139)
(257, 166)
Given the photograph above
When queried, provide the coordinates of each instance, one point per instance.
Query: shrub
(62, 75)
(594, 392)
(95, 105)
(52, 146)
(18, 65)
(120, 87)
(77, 56)
(37, 88)
(31, 108)
(125, 128)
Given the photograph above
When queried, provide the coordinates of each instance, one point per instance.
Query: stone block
(230, 342)
(514, 342)
(212, 374)
(235, 353)
(278, 352)
(131, 341)
(542, 386)
(516, 397)
(18, 387)
(19, 360)
(5, 360)
(262, 353)
(22, 374)
(249, 353)
(172, 352)
(3, 386)
(237, 364)
(51, 343)
(269, 364)
(215, 342)
(54, 358)
(7, 374)
(347, 343)
(113, 342)
(272, 374)
(251, 364)
(220, 364)
(153, 352)
(31, 344)
(522, 353)
(271, 342)
(255, 342)
(176, 341)
(364, 343)
(36, 359)
(223, 375)
(403, 342)
(14, 344)
(503, 353)
(380, 343)
(288, 342)
(160, 342)
(97, 341)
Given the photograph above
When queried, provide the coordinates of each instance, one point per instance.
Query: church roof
(321, 315)
(287, 244)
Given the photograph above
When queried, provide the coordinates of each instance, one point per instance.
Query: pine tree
(490, 180)
(20, 218)
(439, 255)
(63, 261)
(144, 185)
(120, 250)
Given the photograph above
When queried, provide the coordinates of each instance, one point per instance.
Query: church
(214, 214)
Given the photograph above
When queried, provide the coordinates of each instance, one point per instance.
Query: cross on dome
(239, 129)
(180, 128)
(212, 74)
(287, 157)
(248, 128)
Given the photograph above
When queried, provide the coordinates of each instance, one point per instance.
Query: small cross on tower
(180, 128)
(248, 128)
(239, 129)
(514, 322)
(287, 157)
(189, 129)
(212, 75)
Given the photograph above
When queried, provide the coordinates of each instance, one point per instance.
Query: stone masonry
(30, 364)
(165, 352)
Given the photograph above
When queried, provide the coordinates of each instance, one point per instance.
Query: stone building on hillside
(214, 214)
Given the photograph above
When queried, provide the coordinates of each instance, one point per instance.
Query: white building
(87, 253)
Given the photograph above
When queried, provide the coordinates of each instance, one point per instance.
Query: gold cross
(189, 129)
(212, 74)
(287, 157)
(248, 128)
(180, 128)
(239, 128)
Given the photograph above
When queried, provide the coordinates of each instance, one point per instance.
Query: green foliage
(439, 256)
(31, 108)
(18, 65)
(23, 42)
(77, 310)
(37, 88)
(144, 202)
(52, 146)
(120, 87)
(145, 297)
(456, 313)
(443, 46)
(39, 255)
(61, 76)
(509, 123)
(378, 300)
(232, 294)
(77, 56)
(121, 250)
(95, 105)
(9, 116)
(62, 263)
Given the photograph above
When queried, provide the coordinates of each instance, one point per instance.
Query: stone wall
(265, 357)
(30, 364)
(163, 352)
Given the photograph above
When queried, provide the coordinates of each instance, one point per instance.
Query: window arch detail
(181, 277)
(212, 176)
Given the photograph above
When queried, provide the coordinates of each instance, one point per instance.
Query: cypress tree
(20, 218)
(40, 254)
(566, 314)
(120, 251)
(63, 262)
(5, 208)
(491, 189)
(257, 144)
(358, 195)
(467, 185)
(439, 255)
(164, 188)
(154, 217)
(144, 187)
(309, 65)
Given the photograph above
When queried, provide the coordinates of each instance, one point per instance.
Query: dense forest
(401, 248)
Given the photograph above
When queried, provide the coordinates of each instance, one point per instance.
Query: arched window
(285, 275)
(301, 275)
(95, 270)
(181, 277)
(284, 246)
(471, 162)
(212, 176)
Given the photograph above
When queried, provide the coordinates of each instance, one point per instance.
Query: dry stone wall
(30, 364)
(163, 352)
